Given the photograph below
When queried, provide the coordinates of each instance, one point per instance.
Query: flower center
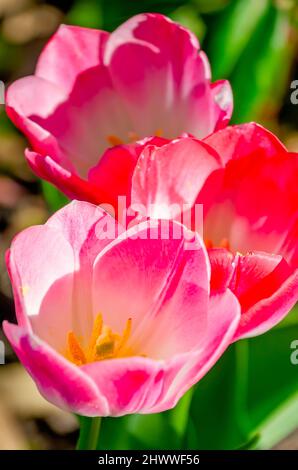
(103, 344)
(114, 139)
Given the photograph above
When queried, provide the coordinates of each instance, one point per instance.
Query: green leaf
(279, 424)
(290, 320)
(252, 443)
(251, 391)
(85, 13)
(116, 12)
(54, 198)
(217, 409)
(139, 432)
(272, 379)
(188, 17)
(231, 32)
(268, 55)
(178, 417)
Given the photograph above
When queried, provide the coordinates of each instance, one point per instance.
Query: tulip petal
(88, 230)
(114, 172)
(237, 142)
(29, 101)
(112, 176)
(223, 97)
(69, 183)
(42, 288)
(167, 180)
(255, 204)
(87, 133)
(149, 55)
(223, 319)
(222, 268)
(82, 224)
(289, 247)
(141, 385)
(264, 284)
(59, 381)
(162, 285)
(131, 384)
(70, 51)
(267, 289)
(61, 258)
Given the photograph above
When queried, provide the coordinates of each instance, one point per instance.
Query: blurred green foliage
(54, 198)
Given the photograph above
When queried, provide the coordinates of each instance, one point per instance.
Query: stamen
(125, 335)
(114, 140)
(96, 331)
(75, 350)
(103, 344)
(208, 243)
(225, 244)
(105, 349)
(133, 136)
(158, 132)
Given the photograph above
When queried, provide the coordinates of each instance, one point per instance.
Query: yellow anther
(224, 243)
(103, 344)
(105, 347)
(114, 140)
(133, 136)
(96, 331)
(208, 243)
(158, 132)
(75, 351)
(125, 335)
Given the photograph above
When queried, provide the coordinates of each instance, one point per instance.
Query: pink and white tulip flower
(92, 90)
(113, 327)
(246, 181)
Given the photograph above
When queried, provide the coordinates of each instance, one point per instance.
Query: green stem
(89, 433)
(241, 382)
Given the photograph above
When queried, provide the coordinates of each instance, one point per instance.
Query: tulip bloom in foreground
(93, 90)
(114, 327)
(247, 182)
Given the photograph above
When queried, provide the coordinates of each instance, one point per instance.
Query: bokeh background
(250, 399)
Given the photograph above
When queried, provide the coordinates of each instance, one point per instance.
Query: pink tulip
(112, 327)
(92, 90)
(247, 182)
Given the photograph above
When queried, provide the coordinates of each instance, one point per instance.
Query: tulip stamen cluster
(132, 137)
(103, 344)
(114, 140)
